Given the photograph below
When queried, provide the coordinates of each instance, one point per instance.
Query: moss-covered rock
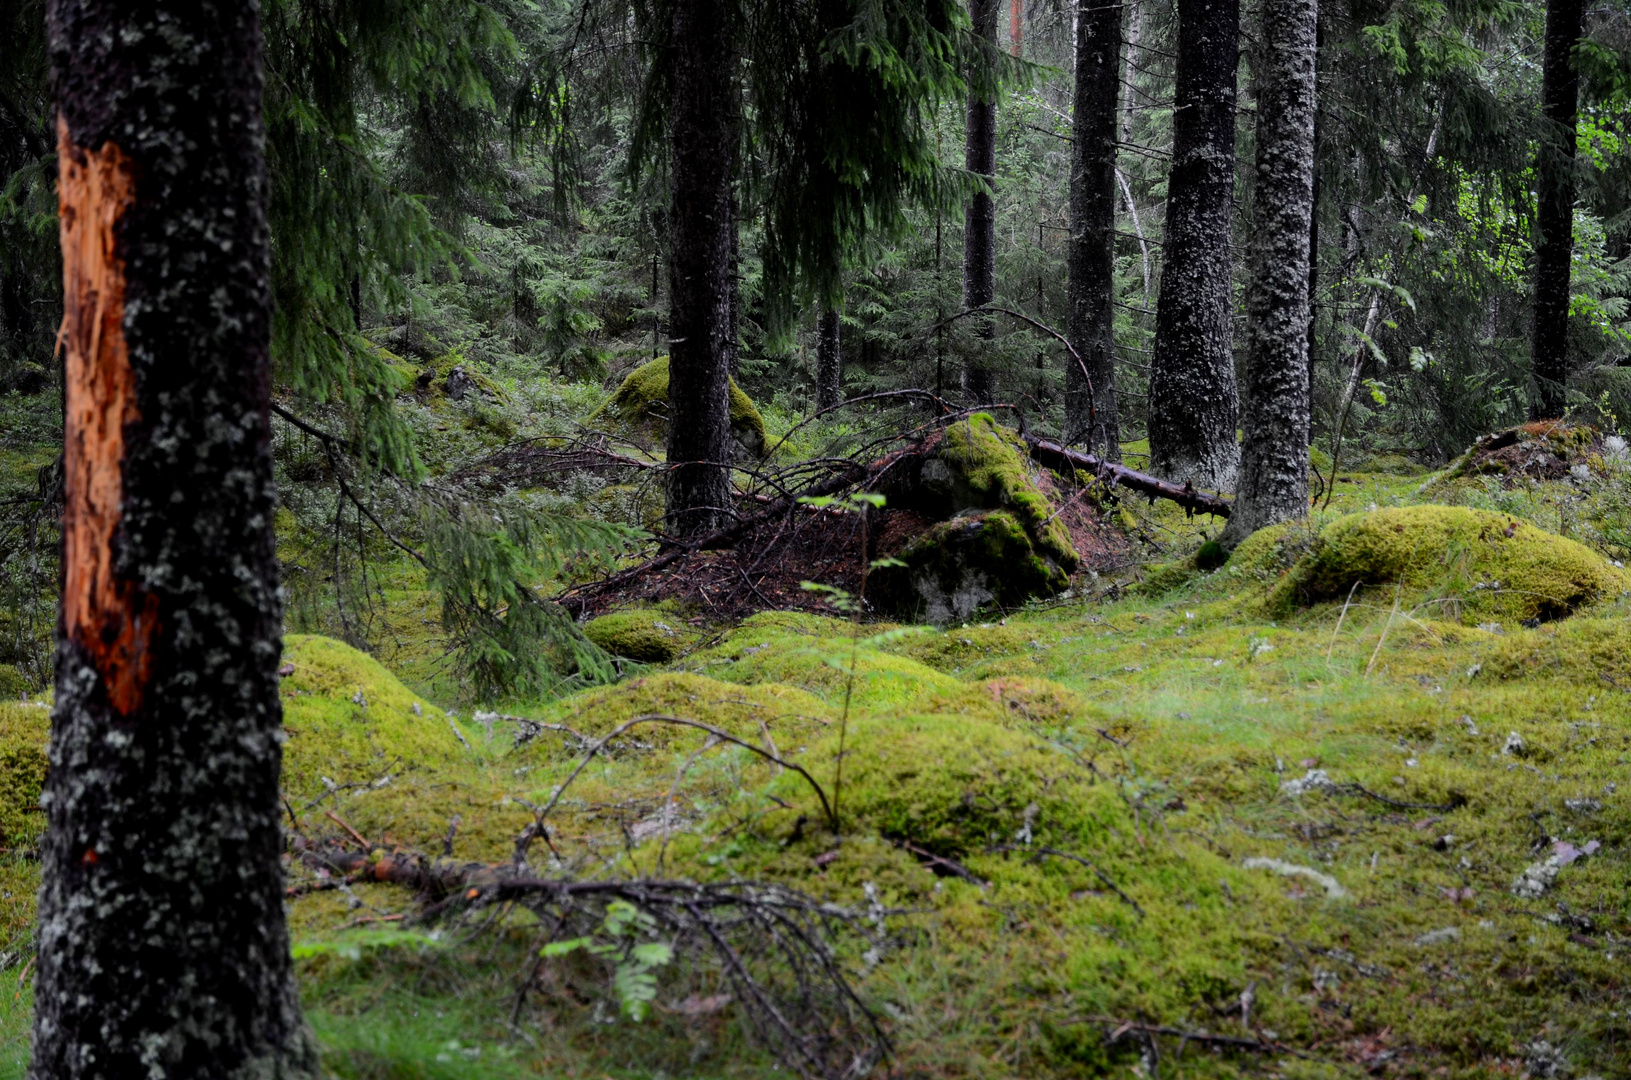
(979, 465)
(25, 729)
(640, 407)
(1469, 564)
(1002, 543)
(961, 565)
(650, 636)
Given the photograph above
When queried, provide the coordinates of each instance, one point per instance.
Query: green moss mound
(647, 635)
(745, 711)
(954, 786)
(640, 406)
(25, 731)
(350, 719)
(1472, 565)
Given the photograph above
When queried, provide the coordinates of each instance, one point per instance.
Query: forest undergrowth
(1174, 822)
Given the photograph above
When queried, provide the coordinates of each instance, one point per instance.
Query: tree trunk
(1092, 229)
(1274, 460)
(1554, 220)
(829, 361)
(1193, 403)
(699, 268)
(162, 945)
(980, 220)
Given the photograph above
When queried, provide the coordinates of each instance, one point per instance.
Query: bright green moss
(640, 405)
(24, 732)
(647, 635)
(745, 711)
(1580, 650)
(13, 683)
(1470, 564)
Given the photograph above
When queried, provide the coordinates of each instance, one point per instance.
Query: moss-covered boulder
(961, 565)
(999, 541)
(639, 408)
(1460, 563)
(651, 636)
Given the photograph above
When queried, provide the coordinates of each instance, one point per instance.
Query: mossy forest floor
(1368, 836)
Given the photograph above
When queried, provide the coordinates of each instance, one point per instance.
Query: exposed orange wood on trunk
(112, 619)
(1016, 24)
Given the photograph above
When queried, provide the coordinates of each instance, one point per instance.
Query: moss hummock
(24, 730)
(650, 636)
(640, 406)
(1471, 565)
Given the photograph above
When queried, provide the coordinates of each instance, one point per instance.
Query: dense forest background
(476, 186)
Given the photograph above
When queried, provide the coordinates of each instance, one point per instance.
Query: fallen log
(1055, 456)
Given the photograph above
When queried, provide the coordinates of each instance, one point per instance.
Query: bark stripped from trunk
(829, 361)
(1092, 228)
(1554, 220)
(701, 224)
(111, 619)
(1193, 401)
(162, 946)
(980, 220)
(1274, 462)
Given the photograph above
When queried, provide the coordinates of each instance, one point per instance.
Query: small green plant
(635, 962)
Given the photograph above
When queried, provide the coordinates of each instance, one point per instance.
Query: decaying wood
(1055, 456)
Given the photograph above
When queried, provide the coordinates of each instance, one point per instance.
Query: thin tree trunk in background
(1016, 26)
(1092, 228)
(1274, 459)
(162, 944)
(699, 269)
(1554, 220)
(980, 220)
(1193, 404)
(829, 361)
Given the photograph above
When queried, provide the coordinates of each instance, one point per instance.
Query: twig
(1385, 628)
(1455, 803)
(951, 865)
(342, 823)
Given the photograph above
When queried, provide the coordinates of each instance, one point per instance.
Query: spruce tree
(980, 218)
(1554, 218)
(1092, 229)
(1273, 483)
(162, 945)
(829, 360)
(1193, 404)
(701, 223)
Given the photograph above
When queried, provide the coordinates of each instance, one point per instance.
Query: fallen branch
(1059, 457)
(1121, 1027)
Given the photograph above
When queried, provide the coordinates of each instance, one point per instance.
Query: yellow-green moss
(13, 683)
(24, 732)
(640, 405)
(647, 635)
(745, 711)
(1472, 564)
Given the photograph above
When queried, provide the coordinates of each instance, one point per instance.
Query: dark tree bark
(701, 221)
(1274, 460)
(162, 945)
(980, 220)
(1193, 403)
(829, 361)
(1092, 229)
(1554, 220)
